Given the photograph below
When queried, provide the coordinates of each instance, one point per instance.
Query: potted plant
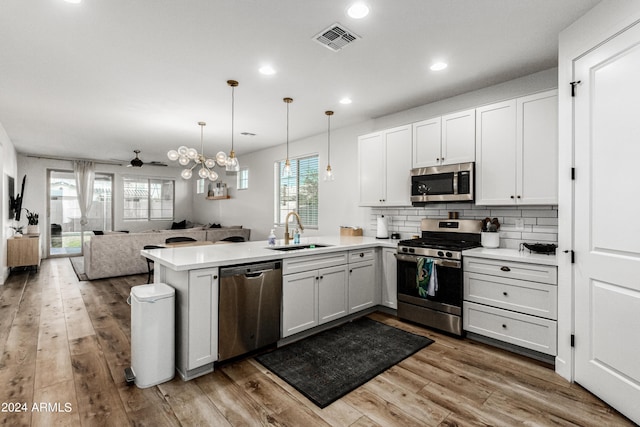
(32, 219)
(489, 236)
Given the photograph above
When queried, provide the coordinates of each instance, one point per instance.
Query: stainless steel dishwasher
(249, 307)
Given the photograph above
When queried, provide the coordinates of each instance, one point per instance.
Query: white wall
(35, 198)
(338, 204)
(8, 167)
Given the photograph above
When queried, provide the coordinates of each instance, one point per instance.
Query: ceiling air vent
(335, 37)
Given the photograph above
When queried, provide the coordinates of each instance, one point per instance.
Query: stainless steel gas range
(438, 302)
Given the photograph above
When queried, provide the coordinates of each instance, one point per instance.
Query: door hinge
(573, 174)
(573, 340)
(573, 87)
(573, 255)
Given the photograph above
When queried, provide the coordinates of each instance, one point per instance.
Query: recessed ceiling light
(267, 70)
(345, 101)
(438, 66)
(358, 10)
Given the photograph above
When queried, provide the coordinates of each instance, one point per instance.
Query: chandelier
(185, 156)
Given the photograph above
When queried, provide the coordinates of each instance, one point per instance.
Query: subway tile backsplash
(540, 223)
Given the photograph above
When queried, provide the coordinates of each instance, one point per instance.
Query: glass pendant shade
(185, 155)
(203, 173)
(173, 155)
(186, 174)
(182, 150)
(328, 174)
(213, 175)
(221, 158)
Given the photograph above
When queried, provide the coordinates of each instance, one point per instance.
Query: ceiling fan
(138, 163)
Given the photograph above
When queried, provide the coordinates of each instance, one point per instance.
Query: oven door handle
(438, 261)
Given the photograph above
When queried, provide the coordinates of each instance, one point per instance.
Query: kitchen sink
(296, 247)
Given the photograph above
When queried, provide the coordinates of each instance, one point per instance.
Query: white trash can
(152, 333)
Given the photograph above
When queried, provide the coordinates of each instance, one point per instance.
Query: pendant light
(230, 162)
(287, 163)
(328, 173)
(185, 155)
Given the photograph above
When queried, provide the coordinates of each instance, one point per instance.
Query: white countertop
(224, 254)
(503, 254)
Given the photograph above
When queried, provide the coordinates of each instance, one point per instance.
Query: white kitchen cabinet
(299, 302)
(517, 151)
(445, 140)
(389, 278)
(196, 320)
(363, 288)
(384, 165)
(332, 293)
(314, 291)
(512, 302)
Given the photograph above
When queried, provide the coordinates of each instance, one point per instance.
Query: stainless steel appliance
(249, 307)
(449, 183)
(442, 241)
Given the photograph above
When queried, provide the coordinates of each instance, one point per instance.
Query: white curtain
(84, 172)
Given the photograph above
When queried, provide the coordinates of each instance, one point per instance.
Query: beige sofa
(118, 254)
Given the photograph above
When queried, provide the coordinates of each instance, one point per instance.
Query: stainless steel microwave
(449, 183)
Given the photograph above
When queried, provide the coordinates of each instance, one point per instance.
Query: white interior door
(607, 228)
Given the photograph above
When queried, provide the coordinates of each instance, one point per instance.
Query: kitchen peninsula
(350, 264)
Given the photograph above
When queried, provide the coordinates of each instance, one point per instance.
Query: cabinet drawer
(537, 299)
(362, 255)
(313, 262)
(523, 330)
(514, 270)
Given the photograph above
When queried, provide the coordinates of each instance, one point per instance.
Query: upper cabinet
(517, 151)
(384, 161)
(445, 140)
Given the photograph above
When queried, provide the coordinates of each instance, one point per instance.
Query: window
(299, 191)
(148, 198)
(243, 179)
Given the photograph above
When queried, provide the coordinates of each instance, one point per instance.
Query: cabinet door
(389, 278)
(332, 293)
(458, 137)
(371, 166)
(426, 143)
(299, 302)
(538, 149)
(202, 317)
(398, 166)
(362, 286)
(496, 154)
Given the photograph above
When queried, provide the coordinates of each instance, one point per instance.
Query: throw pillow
(179, 225)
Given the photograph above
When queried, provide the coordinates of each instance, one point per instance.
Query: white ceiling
(104, 77)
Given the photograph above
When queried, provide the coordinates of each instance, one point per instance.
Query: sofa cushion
(179, 225)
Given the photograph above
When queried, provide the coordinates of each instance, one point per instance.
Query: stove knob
(449, 254)
(440, 253)
(412, 250)
(405, 250)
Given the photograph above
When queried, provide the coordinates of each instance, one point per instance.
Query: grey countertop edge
(503, 254)
(218, 255)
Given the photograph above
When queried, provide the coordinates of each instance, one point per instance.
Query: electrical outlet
(519, 224)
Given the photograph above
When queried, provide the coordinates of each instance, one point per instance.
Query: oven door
(448, 297)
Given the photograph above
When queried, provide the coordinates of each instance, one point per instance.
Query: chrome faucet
(287, 237)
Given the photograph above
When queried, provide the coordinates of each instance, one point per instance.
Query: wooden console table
(24, 251)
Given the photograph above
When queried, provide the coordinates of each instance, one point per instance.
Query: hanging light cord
(288, 130)
(232, 113)
(328, 139)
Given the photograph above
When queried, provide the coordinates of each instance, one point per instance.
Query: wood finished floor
(66, 343)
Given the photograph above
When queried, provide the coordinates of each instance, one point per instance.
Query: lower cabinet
(512, 302)
(363, 289)
(321, 288)
(389, 278)
(196, 319)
